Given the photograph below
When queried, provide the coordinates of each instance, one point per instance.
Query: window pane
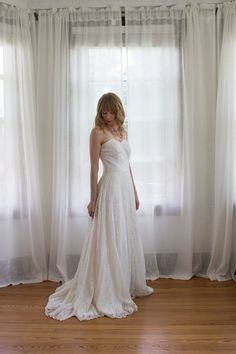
(155, 119)
(148, 81)
(94, 71)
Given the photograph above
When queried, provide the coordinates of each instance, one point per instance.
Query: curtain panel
(22, 251)
(82, 43)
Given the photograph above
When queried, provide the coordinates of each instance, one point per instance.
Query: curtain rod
(48, 4)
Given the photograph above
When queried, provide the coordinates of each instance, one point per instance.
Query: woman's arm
(137, 202)
(94, 147)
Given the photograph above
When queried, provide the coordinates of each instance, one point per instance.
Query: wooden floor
(195, 316)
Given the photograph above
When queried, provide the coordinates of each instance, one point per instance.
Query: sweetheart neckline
(119, 141)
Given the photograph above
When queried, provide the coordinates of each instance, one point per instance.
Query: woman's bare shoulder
(96, 132)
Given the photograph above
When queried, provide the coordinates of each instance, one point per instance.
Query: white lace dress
(111, 269)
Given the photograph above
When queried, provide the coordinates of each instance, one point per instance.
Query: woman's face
(108, 117)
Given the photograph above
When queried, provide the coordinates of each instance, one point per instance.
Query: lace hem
(59, 311)
(143, 292)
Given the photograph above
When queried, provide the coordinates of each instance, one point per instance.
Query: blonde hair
(112, 103)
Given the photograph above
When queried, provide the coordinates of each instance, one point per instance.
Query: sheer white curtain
(154, 38)
(22, 251)
(223, 261)
(85, 46)
(178, 144)
(165, 64)
(42, 38)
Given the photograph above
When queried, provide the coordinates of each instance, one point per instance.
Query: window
(147, 79)
(155, 107)
(91, 75)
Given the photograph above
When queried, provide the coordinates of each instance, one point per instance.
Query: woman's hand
(91, 208)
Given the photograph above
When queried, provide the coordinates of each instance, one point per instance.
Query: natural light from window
(148, 80)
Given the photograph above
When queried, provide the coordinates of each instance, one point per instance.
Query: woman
(111, 269)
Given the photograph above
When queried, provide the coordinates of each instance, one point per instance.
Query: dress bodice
(115, 155)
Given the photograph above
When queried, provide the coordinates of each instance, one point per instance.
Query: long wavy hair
(112, 103)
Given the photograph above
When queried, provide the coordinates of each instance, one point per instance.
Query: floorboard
(181, 317)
